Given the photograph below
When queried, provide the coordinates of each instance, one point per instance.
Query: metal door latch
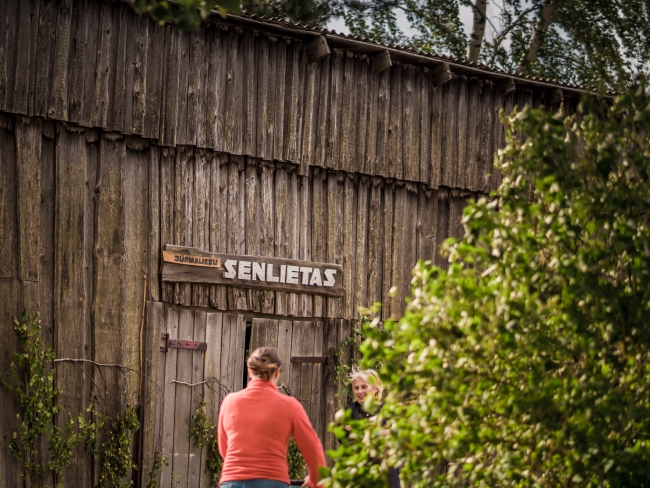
(180, 344)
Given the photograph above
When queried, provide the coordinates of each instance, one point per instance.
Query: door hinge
(180, 344)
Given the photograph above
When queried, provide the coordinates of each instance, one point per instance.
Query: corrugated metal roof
(401, 53)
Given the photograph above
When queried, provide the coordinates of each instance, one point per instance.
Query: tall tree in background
(598, 43)
(315, 13)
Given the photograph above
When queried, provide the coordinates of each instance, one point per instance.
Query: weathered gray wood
(334, 111)
(143, 67)
(497, 138)
(153, 390)
(317, 49)
(389, 215)
(442, 227)
(299, 344)
(58, 108)
(328, 403)
(153, 273)
(383, 120)
(375, 241)
(183, 399)
(395, 164)
(108, 35)
(335, 201)
(323, 112)
(319, 227)
(293, 232)
(155, 67)
(410, 124)
(399, 261)
(508, 86)
(305, 237)
(195, 81)
(170, 86)
(267, 229)
(8, 199)
(349, 243)
(285, 334)
(73, 330)
(238, 325)
(344, 160)
(218, 220)
(461, 174)
(201, 217)
(281, 48)
(436, 102)
(25, 47)
(294, 102)
(182, 234)
(409, 241)
(121, 117)
(8, 54)
(485, 145)
(306, 370)
(361, 115)
(425, 109)
(44, 59)
(232, 135)
(441, 74)
(426, 225)
(253, 222)
(310, 119)
(449, 122)
(237, 297)
(361, 252)
(184, 68)
(265, 86)
(168, 418)
(212, 368)
(167, 178)
(249, 95)
(381, 62)
(316, 393)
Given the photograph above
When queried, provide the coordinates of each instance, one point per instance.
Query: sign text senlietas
(190, 265)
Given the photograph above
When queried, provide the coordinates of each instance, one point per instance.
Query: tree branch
(536, 40)
(502, 35)
(478, 30)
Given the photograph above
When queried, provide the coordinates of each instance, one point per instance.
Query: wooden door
(304, 381)
(191, 375)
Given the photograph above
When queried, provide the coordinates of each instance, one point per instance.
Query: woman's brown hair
(264, 362)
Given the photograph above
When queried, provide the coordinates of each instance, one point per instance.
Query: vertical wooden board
(249, 94)
(335, 217)
(169, 402)
(442, 227)
(10, 467)
(253, 222)
(361, 114)
(475, 102)
(227, 356)
(463, 132)
(293, 229)
(283, 54)
(389, 217)
(184, 68)
(197, 65)
(218, 219)
(349, 244)
(44, 59)
(328, 403)
(152, 391)
(109, 261)
(72, 330)
(86, 91)
(449, 123)
(383, 120)
(8, 51)
(29, 135)
(238, 325)
(323, 101)
(170, 86)
(121, 117)
(319, 228)
(417, 128)
(236, 216)
(58, 108)
(141, 70)
(232, 108)
(167, 205)
(316, 395)
(426, 227)
(195, 467)
(264, 87)
(281, 229)
(25, 55)
(267, 228)
(307, 370)
(424, 86)
(486, 142)
(305, 238)
(411, 168)
(8, 199)
(285, 334)
(398, 261)
(154, 73)
(46, 229)
(154, 223)
(107, 46)
(183, 400)
(212, 368)
(370, 138)
(456, 207)
(409, 241)
(293, 101)
(258, 330)
(201, 216)
(435, 164)
(298, 348)
(375, 242)
(217, 87)
(361, 271)
(332, 139)
(310, 119)
(344, 330)
(344, 159)
(395, 164)
(497, 138)
(136, 262)
(183, 196)
(204, 83)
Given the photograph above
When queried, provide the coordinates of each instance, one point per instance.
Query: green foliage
(185, 14)
(115, 454)
(159, 460)
(203, 432)
(527, 363)
(33, 385)
(297, 464)
(314, 13)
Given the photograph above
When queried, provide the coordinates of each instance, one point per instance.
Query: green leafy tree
(527, 363)
(599, 43)
(185, 14)
(315, 13)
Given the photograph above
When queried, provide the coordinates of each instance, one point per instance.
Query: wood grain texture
(58, 108)
(170, 326)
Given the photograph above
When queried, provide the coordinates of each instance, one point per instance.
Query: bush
(528, 362)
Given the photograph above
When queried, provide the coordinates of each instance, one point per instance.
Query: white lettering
(244, 270)
(283, 272)
(315, 278)
(329, 274)
(230, 266)
(259, 271)
(269, 275)
(292, 274)
(305, 274)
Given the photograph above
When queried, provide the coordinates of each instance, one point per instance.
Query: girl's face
(362, 389)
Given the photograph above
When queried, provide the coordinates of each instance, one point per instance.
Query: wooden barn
(171, 200)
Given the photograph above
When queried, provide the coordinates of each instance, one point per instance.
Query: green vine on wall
(204, 434)
(115, 455)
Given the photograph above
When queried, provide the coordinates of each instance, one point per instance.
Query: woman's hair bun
(264, 362)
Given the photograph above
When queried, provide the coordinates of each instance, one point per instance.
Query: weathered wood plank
(293, 230)
(195, 87)
(154, 223)
(182, 234)
(294, 102)
(280, 75)
(425, 126)
(25, 54)
(121, 117)
(426, 226)
(486, 143)
(317, 49)
(44, 59)
(170, 86)
(349, 243)
(285, 335)
(253, 222)
(218, 220)
(142, 68)
(299, 344)
(237, 298)
(410, 124)
(319, 227)
(442, 227)
(375, 242)
(383, 115)
(169, 402)
(167, 191)
(436, 101)
(212, 368)
(184, 67)
(497, 138)
(265, 87)
(335, 217)
(449, 123)
(441, 74)
(267, 228)
(474, 130)
(395, 162)
(107, 44)
(398, 259)
(305, 205)
(201, 217)
(370, 137)
(58, 108)
(73, 340)
(154, 88)
(361, 271)
(344, 159)
(8, 199)
(316, 394)
(389, 217)
(233, 97)
(306, 370)
(8, 53)
(310, 119)
(238, 325)
(249, 94)
(323, 112)
(332, 139)
(183, 399)
(328, 404)
(461, 106)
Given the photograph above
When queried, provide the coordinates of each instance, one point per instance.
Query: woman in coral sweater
(255, 425)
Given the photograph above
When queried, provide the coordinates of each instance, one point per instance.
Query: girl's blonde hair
(369, 376)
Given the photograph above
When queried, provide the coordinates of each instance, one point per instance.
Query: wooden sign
(190, 265)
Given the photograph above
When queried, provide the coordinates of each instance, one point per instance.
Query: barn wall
(245, 92)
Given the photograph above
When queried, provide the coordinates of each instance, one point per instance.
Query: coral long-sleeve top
(254, 428)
